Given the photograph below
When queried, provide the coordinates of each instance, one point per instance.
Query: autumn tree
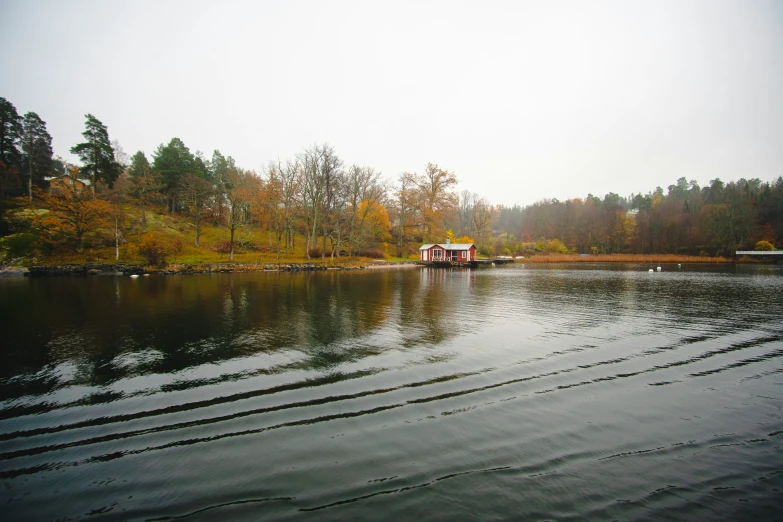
(437, 198)
(74, 213)
(373, 228)
(97, 154)
(36, 151)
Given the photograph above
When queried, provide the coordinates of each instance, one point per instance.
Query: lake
(563, 392)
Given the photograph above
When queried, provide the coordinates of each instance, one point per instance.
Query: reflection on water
(581, 392)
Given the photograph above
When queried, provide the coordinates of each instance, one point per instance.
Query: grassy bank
(176, 235)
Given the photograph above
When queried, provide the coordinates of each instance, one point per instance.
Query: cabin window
(463, 254)
(436, 254)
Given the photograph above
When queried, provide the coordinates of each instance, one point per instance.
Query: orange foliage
(75, 214)
(153, 248)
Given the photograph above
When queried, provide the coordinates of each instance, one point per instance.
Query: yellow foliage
(377, 219)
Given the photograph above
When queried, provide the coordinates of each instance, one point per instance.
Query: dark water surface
(519, 392)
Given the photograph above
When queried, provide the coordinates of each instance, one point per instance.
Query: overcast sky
(521, 100)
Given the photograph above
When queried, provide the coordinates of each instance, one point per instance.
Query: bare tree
(465, 212)
(319, 164)
(406, 207)
(120, 156)
(365, 190)
(238, 187)
(483, 214)
(196, 192)
(144, 184)
(117, 197)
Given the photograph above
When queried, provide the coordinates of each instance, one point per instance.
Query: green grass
(175, 230)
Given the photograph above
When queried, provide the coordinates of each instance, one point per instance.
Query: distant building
(455, 252)
(56, 183)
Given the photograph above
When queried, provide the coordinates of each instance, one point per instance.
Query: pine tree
(36, 151)
(10, 134)
(173, 162)
(97, 154)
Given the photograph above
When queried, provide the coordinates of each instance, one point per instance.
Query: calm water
(519, 392)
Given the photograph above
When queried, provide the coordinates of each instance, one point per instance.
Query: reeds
(623, 258)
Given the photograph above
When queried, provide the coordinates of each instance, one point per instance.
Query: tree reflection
(110, 329)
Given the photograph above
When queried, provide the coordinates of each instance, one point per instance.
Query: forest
(175, 205)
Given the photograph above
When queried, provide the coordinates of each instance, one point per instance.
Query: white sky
(521, 100)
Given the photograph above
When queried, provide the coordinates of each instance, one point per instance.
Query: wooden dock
(469, 264)
(775, 255)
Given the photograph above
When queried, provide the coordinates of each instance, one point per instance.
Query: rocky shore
(177, 269)
(84, 270)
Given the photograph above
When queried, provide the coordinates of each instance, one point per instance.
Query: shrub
(17, 245)
(222, 247)
(131, 250)
(246, 246)
(556, 246)
(486, 250)
(764, 245)
(315, 252)
(176, 246)
(153, 249)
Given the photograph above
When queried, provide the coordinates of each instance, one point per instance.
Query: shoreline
(94, 269)
(120, 269)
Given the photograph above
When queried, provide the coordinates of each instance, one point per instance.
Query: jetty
(475, 263)
(775, 255)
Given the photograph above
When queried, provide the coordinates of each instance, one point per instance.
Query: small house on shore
(454, 252)
(57, 183)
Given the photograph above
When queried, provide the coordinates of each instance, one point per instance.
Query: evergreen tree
(173, 162)
(144, 183)
(36, 151)
(97, 153)
(10, 134)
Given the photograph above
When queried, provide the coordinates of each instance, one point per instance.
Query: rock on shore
(14, 271)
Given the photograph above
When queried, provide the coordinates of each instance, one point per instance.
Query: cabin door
(424, 255)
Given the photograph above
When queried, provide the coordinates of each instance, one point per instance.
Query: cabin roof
(66, 177)
(450, 246)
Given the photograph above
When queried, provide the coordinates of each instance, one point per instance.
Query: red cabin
(454, 252)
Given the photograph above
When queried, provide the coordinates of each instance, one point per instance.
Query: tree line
(716, 219)
(337, 209)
